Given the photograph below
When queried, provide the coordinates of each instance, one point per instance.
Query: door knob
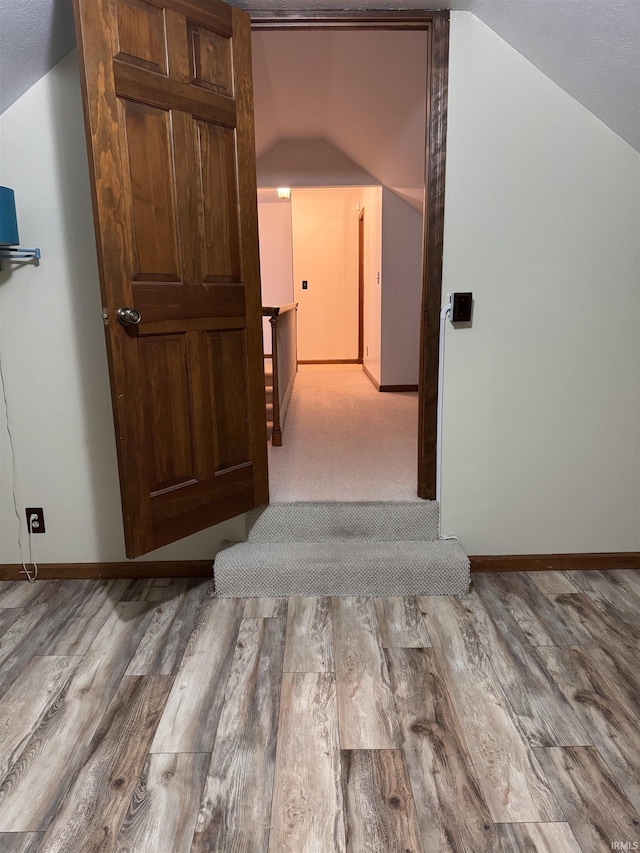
(128, 316)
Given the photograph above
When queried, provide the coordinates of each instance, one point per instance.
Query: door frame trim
(436, 25)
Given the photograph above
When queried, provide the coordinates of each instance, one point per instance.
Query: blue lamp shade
(8, 219)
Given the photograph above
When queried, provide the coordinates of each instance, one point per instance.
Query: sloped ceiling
(34, 36)
(364, 92)
(309, 163)
(589, 47)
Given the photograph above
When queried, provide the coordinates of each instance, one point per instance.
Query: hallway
(345, 441)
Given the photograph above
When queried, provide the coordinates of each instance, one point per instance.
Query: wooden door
(169, 118)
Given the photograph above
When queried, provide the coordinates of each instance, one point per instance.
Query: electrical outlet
(35, 519)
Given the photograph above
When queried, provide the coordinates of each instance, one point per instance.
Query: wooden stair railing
(284, 364)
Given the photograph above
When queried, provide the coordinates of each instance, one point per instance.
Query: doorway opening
(320, 152)
(342, 439)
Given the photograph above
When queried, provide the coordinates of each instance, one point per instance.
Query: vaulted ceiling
(589, 47)
(364, 92)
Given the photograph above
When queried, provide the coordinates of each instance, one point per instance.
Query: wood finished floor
(150, 716)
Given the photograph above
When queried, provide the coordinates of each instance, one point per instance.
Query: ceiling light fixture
(284, 193)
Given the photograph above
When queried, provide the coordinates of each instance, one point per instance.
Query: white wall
(276, 259)
(401, 290)
(53, 348)
(276, 254)
(372, 204)
(325, 254)
(541, 421)
(276, 249)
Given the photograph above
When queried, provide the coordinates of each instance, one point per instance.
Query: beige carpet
(344, 441)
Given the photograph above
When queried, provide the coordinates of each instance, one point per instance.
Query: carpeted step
(326, 521)
(352, 567)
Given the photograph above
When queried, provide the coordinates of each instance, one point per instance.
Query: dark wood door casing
(169, 116)
(436, 27)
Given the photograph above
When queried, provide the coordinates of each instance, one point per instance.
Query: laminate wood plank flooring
(182, 723)
(612, 727)
(379, 810)
(164, 805)
(519, 587)
(538, 837)
(235, 812)
(56, 747)
(20, 842)
(91, 816)
(7, 618)
(530, 624)
(17, 646)
(590, 624)
(308, 809)
(151, 589)
(162, 648)
(551, 582)
(366, 713)
(606, 640)
(451, 810)
(543, 713)
(31, 694)
(612, 597)
(595, 806)
(191, 715)
(309, 646)
(401, 623)
(34, 635)
(510, 777)
(86, 619)
(629, 578)
(22, 593)
(265, 608)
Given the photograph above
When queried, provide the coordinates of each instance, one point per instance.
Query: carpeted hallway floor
(344, 441)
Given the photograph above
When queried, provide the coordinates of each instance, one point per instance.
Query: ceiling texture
(591, 48)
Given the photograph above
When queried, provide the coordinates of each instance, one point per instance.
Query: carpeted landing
(342, 548)
(343, 440)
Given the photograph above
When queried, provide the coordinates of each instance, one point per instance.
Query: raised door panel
(216, 148)
(149, 150)
(210, 59)
(141, 35)
(168, 411)
(228, 370)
